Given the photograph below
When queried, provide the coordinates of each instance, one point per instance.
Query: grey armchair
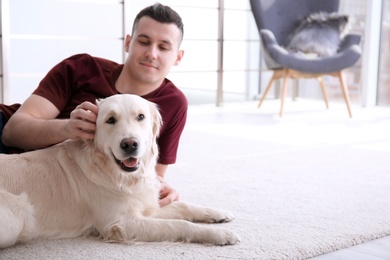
(276, 21)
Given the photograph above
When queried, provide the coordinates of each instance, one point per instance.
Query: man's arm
(161, 169)
(167, 193)
(34, 126)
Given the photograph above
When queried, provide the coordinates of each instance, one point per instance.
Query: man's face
(153, 49)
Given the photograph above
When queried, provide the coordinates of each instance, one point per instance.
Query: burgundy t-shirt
(82, 78)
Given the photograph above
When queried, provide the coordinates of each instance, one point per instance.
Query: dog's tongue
(131, 162)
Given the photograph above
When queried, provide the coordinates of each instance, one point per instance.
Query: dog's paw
(218, 216)
(226, 237)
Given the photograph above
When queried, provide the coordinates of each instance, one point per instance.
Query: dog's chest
(143, 197)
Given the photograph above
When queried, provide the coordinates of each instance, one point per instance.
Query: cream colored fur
(77, 188)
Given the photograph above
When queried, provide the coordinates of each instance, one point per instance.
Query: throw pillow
(319, 34)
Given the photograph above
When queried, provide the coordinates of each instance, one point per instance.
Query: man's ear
(127, 42)
(180, 55)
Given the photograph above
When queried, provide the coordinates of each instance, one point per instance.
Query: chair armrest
(349, 40)
(339, 61)
(269, 43)
(268, 38)
(277, 56)
(272, 47)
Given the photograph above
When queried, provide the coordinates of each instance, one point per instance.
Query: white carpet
(310, 183)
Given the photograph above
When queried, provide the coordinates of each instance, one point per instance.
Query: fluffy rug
(310, 183)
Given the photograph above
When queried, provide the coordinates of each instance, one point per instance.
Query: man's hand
(167, 193)
(82, 122)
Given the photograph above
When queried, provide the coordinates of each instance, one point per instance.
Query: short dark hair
(162, 14)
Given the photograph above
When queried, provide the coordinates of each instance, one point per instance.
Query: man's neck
(127, 85)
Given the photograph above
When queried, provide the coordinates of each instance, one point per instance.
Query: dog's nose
(129, 145)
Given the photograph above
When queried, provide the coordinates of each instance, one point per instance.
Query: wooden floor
(373, 250)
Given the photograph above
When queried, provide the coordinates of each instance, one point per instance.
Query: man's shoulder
(85, 59)
(84, 63)
(168, 97)
(171, 90)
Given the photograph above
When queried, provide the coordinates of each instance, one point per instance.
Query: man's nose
(152, 52)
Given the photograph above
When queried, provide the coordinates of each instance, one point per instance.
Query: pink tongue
(131, 162)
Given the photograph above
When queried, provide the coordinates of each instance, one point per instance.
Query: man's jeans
(2, 122)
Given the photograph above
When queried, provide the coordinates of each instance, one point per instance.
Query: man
(63, 106)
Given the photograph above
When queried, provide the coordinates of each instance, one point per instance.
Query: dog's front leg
(167, 230)
(193, 213)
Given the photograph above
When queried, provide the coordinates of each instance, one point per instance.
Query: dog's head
(127, 127)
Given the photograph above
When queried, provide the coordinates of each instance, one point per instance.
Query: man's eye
(140, 117)
(164, 48)
(143, 43)
(111, 120)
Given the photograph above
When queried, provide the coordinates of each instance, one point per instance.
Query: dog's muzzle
(129, 146)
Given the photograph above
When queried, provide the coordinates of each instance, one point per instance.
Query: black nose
(129, 145)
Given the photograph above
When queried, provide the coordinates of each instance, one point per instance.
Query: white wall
(37, 34)
(44, 32)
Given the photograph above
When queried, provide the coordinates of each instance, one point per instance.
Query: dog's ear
(97, 102)
(156, 119)
(156, 126)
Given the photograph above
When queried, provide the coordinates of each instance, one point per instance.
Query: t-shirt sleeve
(56, 85)
(77, 79)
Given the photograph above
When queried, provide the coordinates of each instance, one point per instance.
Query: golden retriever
(107, 186)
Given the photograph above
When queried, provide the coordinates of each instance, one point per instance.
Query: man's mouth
(150, 65)
(130, 164)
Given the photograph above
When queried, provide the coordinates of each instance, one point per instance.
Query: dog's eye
(140, 117)
(111, 120)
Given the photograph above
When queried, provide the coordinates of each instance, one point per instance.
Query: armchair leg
(284, 90)
(275, 76)
(323, 89)
(344, 88)
(289, 73)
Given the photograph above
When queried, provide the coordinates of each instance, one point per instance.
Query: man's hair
(160, 13)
